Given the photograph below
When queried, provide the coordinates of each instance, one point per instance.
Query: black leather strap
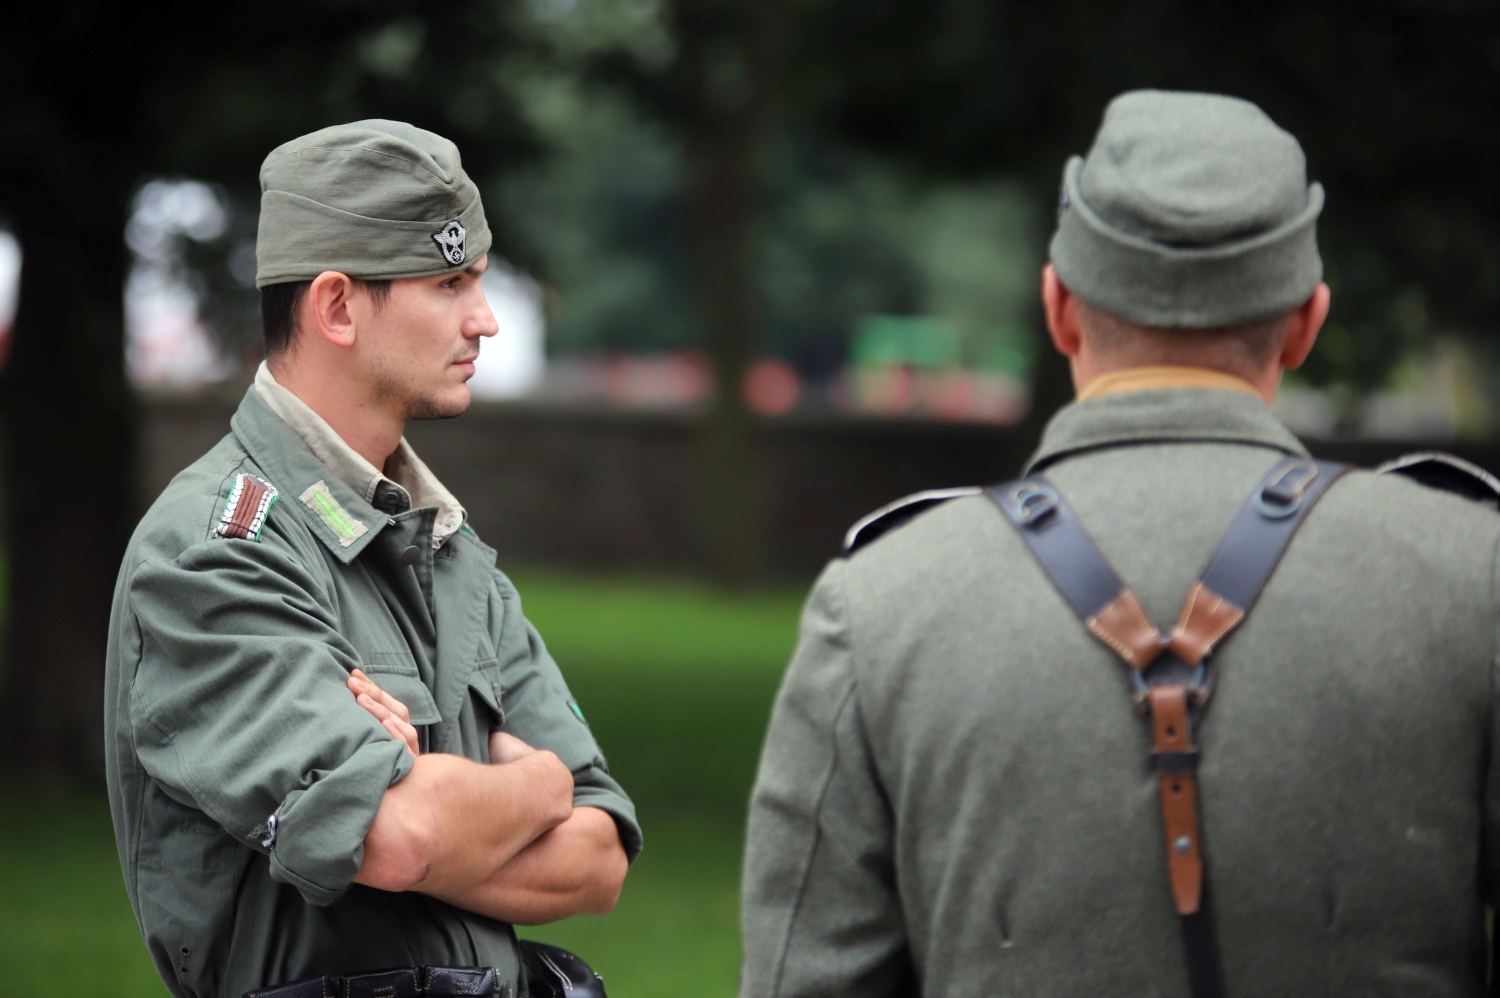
(1065, 550)
(1227, 588)
(404, 982)
(1261, 530)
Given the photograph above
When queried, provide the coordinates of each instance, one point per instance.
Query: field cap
(1191, 211)
(373, 199)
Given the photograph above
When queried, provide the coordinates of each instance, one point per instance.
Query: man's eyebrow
(471, 271)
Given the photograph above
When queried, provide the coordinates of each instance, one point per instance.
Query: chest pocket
(396, 673)
(484, 682)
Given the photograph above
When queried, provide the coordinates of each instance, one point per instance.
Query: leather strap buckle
(1032, 503)
(1281, 495)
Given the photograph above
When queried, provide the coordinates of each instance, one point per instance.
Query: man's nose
(483, 324)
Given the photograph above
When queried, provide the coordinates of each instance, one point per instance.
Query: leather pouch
(553, 972)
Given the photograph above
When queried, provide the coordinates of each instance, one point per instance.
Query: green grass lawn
(676, 680)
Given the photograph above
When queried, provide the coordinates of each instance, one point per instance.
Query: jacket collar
(1175, 415)
(338, 516)
(409, 478)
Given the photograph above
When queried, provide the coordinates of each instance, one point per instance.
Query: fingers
(508, 748)
(399, 727)
(361, 683)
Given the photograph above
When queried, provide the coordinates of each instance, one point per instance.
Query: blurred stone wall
(617, 490)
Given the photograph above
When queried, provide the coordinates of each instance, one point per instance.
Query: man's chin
(454, 402)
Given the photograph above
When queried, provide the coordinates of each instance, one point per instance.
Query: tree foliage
(96, 96)
(1395, 101)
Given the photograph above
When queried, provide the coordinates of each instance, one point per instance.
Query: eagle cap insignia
(450, 241)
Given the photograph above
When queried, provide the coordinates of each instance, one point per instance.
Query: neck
(1087, 369)
(370, 428)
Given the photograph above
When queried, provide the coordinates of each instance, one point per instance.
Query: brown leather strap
(1207, 618)
(1172, 737)
(1170, 676)
(1125, 628)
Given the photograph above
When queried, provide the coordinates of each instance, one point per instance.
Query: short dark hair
(279, 304)
(1255, 341)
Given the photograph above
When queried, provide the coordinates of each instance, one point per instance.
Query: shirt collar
(406, 482)
(1151, 378)
(1162, 415)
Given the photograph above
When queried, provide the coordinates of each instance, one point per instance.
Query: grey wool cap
(373, 199)
(1191, 211)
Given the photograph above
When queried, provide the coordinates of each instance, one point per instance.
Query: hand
(508, 748)
(390, 712)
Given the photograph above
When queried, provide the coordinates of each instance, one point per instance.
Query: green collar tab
(318, 499)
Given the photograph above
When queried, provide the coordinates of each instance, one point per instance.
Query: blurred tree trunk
(729, 55)
(68, 159)
(69, 477)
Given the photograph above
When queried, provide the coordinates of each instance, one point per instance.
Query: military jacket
(243, 776)
(955, 798)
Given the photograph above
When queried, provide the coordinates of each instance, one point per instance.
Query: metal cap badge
(450, 241)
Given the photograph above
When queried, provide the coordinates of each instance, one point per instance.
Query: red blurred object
(771, 387)
(658, 380)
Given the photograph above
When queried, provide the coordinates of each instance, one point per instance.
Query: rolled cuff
(320, 831)
(618, 807)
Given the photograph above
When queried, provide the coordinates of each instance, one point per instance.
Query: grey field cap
(1191, 211)
(373, 199)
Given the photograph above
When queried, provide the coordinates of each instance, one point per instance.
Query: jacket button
(411, 555)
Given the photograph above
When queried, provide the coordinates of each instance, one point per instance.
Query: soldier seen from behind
(1182, 711)
(341, 762)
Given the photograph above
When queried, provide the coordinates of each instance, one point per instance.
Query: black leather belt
(408, 982)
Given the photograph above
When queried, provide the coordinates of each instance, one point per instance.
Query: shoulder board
(1444, 471)
(893, 514)
(245, 511)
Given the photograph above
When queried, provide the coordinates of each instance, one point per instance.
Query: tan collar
(405, 473)
(1145, 379)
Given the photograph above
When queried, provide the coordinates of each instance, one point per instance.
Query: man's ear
(1061, 309)
(326, 308)
(1306, 322)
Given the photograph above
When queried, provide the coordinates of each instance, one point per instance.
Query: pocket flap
(485, 680)
(410, 691)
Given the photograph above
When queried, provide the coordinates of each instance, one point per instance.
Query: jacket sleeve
(540, 710)
(821, 911)
(1490, 845)
(239, 708)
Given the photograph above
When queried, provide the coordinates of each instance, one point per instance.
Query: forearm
(451, 823)
(579, 866)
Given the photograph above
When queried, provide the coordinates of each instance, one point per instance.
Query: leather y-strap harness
(1171, 678)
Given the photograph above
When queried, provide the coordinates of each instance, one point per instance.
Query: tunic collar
(1163, 415)
(406, 478)
(1140, 379)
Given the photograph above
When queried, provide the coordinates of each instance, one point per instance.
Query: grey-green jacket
(226, 705)
(954, 797)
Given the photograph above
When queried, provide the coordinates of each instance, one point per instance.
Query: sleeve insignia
(246, 509)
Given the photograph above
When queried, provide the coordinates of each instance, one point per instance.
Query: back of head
(1191, 211)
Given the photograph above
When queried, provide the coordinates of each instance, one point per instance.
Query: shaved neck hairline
(1256, 342)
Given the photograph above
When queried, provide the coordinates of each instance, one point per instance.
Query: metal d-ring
(1033, 503)
(1282, 496)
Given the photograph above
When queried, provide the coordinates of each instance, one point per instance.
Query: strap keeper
(1175, 762)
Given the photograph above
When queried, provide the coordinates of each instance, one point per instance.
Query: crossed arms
(502, 840)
